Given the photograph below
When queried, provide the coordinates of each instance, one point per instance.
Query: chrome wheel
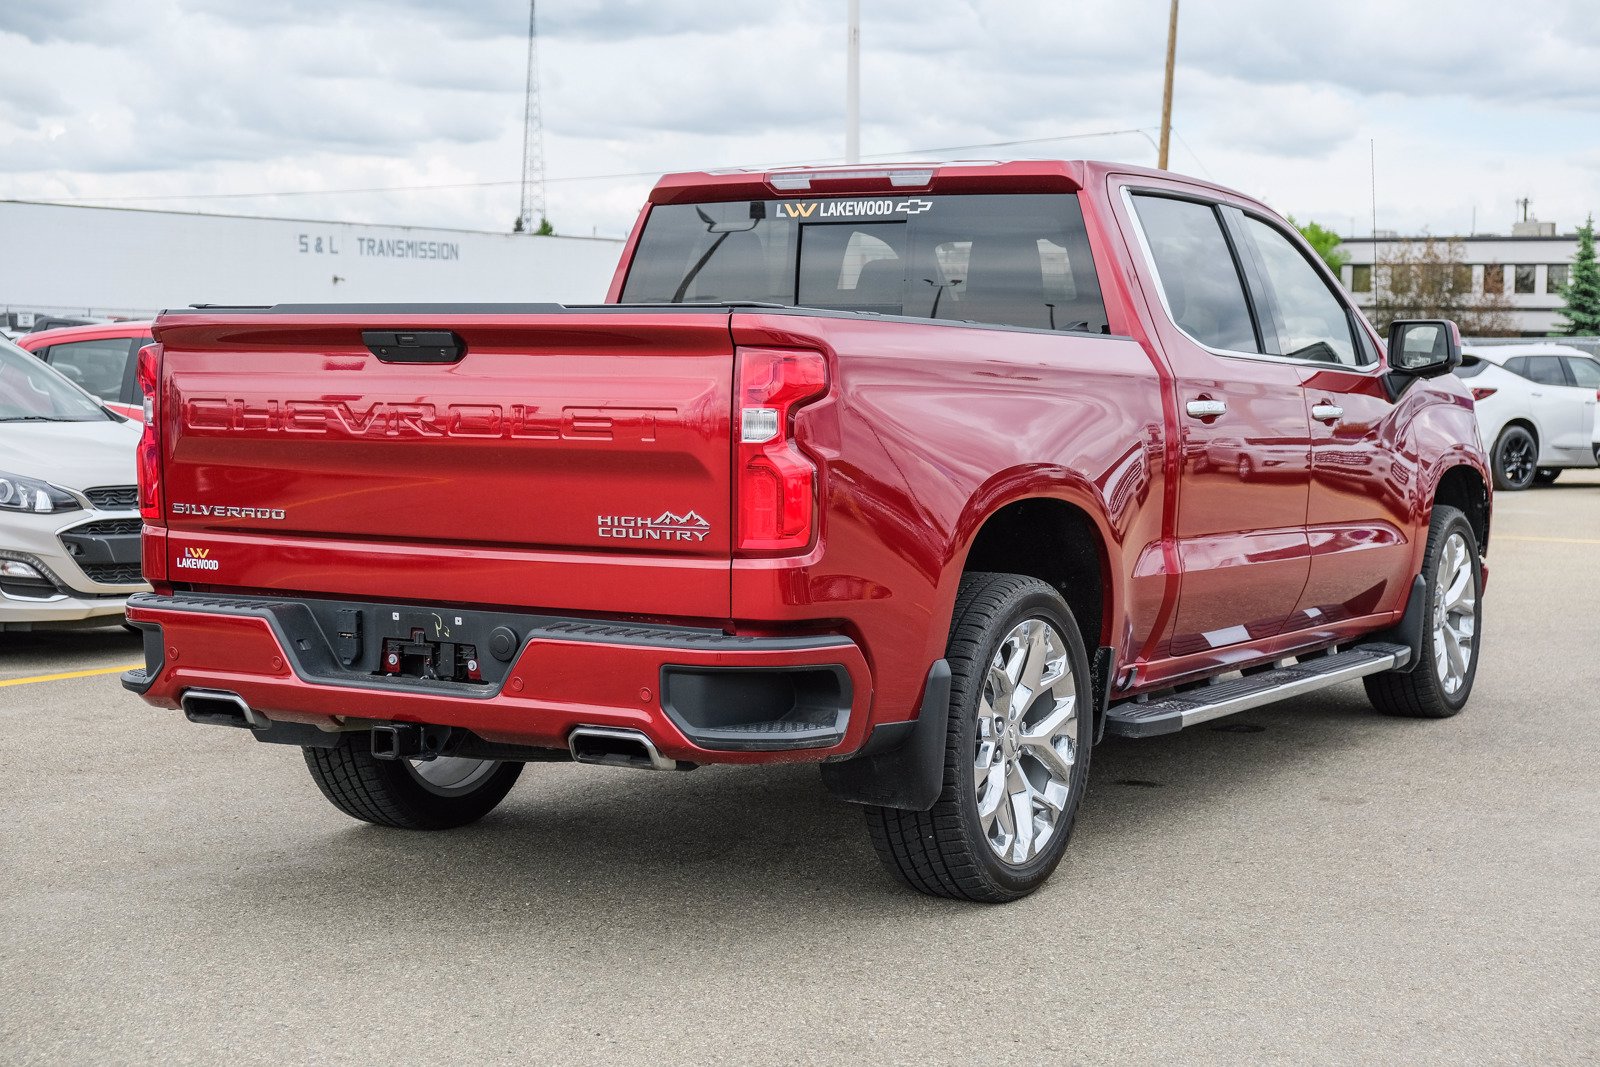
(1027, 741)
(450, 776)
(1455, 614)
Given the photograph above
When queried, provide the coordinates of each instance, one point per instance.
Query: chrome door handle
(1206, 409)
(1327, 412)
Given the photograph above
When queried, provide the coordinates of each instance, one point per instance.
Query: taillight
(149, 455)
(776, 483)
(1480, 393)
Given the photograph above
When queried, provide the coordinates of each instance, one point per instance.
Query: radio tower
(530, 219)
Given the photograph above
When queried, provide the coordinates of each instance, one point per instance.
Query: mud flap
(1408, 631)
(902, 764)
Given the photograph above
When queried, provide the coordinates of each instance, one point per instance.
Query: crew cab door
(1362, 473)
(1245, 465)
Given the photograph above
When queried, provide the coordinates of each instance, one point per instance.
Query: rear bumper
(701, 696)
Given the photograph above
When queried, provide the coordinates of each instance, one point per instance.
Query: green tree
(1326, 242)
(1581, 296)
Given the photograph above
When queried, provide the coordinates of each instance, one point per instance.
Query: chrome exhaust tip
(218, 707)
(611, 746)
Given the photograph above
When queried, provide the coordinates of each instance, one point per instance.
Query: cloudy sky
(1466, 105)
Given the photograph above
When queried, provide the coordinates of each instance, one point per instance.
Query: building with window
(1529, 268)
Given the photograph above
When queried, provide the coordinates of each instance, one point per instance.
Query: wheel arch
(1526, 422)
(1463, 488)
(1056, 540)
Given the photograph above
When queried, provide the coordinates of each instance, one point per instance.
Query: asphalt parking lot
(1311, 882)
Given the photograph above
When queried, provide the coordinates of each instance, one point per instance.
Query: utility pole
(852, 86)
(530, 217)
(1166, 95)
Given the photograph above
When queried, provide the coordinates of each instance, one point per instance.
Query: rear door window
(1017, 260)
(1199, 278)
(1546, 370)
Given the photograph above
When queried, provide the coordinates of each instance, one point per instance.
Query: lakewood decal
(196, 559)
(664, 527)
(844, 209)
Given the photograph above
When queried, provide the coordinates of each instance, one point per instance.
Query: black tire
(1515, 459)
(1546, 475)
(1422, 693)
(944, 851)
(389, 793)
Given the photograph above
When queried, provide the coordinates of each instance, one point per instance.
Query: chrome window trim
(1128, 193)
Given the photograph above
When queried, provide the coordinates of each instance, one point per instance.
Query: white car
(1536, 409)
(69, 509)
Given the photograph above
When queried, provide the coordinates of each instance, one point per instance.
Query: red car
(907, 471)
(100, 358)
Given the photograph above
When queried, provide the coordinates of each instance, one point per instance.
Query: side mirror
(1424, 348)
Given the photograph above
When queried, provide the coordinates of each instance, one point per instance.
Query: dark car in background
(99, 358)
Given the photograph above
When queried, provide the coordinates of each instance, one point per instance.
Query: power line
(1141, 131)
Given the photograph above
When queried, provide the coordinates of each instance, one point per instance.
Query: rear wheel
(1016, 752)
(1516, 455)
(1441, 681)
(435, 794)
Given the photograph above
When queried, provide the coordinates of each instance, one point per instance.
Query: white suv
(69, 510)
(1536, 409)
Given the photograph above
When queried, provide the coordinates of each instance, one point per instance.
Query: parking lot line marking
(63, 676)
(1552, 540)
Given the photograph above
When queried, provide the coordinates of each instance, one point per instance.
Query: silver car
(69, 510)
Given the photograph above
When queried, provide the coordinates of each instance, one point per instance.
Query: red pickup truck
(929, 474)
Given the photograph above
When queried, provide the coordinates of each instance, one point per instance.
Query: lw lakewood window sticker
(838, 209)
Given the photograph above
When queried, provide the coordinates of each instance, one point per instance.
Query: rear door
(565, 459)
(1564, 412)
(1585, 372)
(1246, 447)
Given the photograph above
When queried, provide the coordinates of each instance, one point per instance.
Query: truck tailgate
(564, 458)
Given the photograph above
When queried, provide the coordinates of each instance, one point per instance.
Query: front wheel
(436, 794)
(1516, 456)
(1439, 684)
(1016, 753)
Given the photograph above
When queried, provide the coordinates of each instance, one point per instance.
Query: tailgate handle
(414, 346)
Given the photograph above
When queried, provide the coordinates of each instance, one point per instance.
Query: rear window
(1019, 260)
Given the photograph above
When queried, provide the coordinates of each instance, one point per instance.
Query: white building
(95, 262)
(1529, 268)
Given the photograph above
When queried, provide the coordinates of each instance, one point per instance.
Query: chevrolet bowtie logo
(913, 207)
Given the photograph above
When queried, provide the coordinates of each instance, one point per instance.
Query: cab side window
(1312, 323)
(1195, 267)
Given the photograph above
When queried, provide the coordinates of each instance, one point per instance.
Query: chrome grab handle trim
(1326, 412)
(1206, 409)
